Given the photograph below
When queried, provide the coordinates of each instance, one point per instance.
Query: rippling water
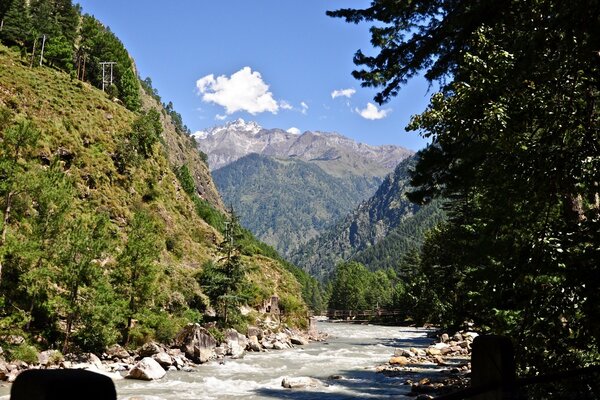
(352, 352)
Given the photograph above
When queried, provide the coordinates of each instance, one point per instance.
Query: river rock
(266, 344)
(402, 361)
(298, 340)
(149, 349)
(277, 345)
(255, 331)
(457, 337)
(196, 343)
(163, 359)
(433, 351)
(117, 351)
(147, 370)
(253, 344)
(418, 352)
(49, 357)
(404, 353)
(298, 382)
(3, 371)
(236, 343)
(445, 338)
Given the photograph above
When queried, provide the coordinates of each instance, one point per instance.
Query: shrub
(24, 352)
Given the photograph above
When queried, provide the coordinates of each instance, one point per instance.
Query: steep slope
(86, 137)
(286, 202)
(312, 180)
(387, 211)
(334, 153)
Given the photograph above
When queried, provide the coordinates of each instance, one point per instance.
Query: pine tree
(17, 27)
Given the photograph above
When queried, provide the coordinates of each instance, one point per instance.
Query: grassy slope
(80, 125)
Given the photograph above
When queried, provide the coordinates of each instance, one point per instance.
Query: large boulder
(196, 343)
(236, 343)
(255, 331)
(163, 359)
(149, 349)
(49, 357)
(253, 344)
(117, 352)
(147, 370)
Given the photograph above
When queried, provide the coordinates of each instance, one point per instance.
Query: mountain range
(335, 154)
(288, 188)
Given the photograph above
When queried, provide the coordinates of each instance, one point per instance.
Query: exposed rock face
(196, 343)
(147, 370)
(225, 144)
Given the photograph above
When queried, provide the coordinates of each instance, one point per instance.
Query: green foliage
(17, 23)
(186, 180)
(146, 132)
(23, 352)
(59, 52)
(285, 203)
(134, 277)
(129, 90)
(514, 132)
(208, 213)
(225, 283)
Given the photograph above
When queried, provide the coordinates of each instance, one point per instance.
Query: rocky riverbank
(193, 346)
(442, 367)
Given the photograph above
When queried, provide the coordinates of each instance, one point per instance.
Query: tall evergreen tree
(17, 28)
(135, 275)
(515, 136)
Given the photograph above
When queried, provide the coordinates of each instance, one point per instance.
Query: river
(350, 354)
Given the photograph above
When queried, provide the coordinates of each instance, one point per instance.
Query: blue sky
(283, 64)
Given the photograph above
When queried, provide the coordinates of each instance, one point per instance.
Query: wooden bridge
(363, 315)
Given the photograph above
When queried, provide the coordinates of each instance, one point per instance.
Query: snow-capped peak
(241, 125)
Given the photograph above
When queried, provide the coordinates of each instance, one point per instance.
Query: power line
(104, 64)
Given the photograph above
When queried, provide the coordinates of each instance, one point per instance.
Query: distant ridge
(333, 152)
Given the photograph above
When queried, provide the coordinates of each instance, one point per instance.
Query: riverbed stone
(117, 351)
(149, 349)
(147, 370)
(298, 382)
(49, 357)
(236, 343)
(255, 331)
(196, 343)
(402, 361)
(163, 359)
(254, 344)
(299, 340)
(432, 351)
(445, 338)
(277, 345)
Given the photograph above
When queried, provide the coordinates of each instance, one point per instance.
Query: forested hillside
(515, 133)
(287, 202)
(109, 213)
(368, 224)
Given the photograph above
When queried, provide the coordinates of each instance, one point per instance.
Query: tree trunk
(5, 226)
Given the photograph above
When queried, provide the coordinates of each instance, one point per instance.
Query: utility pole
(42, 54)
(104, 64)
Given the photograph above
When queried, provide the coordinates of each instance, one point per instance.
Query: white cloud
(243, 91)
(220, 117)
(294, 130)
(304, 108)
(372, 112)
(343, 93)
(285, 105)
